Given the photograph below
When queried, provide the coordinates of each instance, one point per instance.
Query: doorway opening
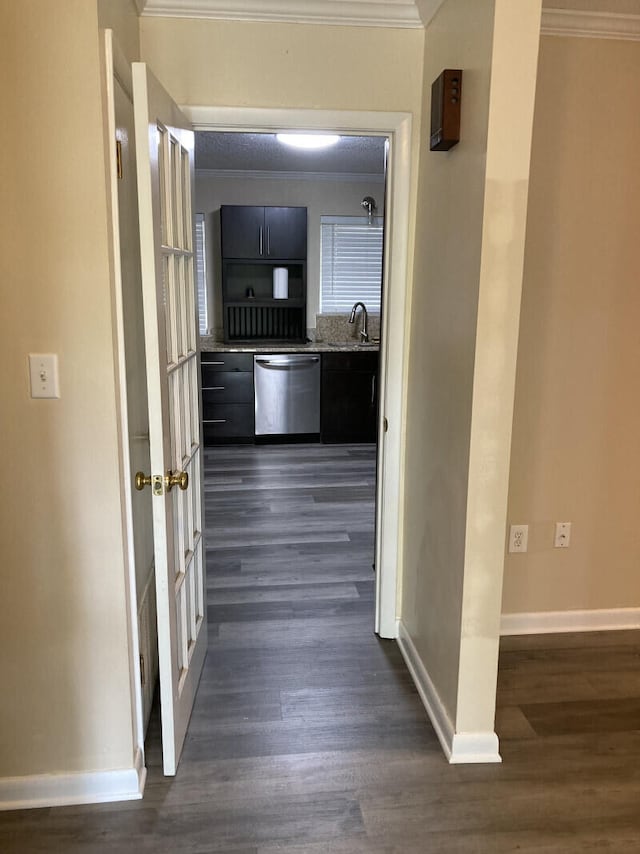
(397, 128)
(290, 508)
(391, 382)
(293, 665)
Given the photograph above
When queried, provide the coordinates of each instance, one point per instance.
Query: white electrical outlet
(43, 373)
(563, 535)
(518, 538)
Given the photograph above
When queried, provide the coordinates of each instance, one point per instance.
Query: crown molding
(257, 175)
(427, 9)
(373, 13)
(360, 13)
(590, 25)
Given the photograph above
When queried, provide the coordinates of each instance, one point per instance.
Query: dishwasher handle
(290, 364)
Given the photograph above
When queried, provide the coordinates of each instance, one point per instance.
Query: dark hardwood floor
(307, 735)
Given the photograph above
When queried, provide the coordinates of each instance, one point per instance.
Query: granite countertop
(208, 345)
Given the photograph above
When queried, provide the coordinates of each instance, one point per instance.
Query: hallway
(294, 666)
(307, 735)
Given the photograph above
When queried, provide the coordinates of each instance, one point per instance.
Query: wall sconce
(369, 204)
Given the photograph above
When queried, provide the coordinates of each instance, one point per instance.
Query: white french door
(164, 152)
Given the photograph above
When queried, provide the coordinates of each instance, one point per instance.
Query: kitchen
(248, 188)
(290, 514)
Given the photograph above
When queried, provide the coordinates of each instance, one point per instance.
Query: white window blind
(351, 263)
(201, 276)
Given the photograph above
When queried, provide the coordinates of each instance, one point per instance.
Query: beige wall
(577, 415)
(467, 278)
(242, 64)
(443, 323)
(514, 65)
(66, 705)
(121, 16)
(328, 197)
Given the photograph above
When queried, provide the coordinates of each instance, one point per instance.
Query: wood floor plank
(307, 735)
(609, 715)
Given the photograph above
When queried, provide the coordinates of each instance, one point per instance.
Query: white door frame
(116, 67)
(397, 127)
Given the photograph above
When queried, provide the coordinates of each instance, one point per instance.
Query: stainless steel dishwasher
(287, 394)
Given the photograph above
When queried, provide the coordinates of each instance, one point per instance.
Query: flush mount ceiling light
(308, 140)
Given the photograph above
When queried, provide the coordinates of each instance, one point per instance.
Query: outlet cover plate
(518, 538)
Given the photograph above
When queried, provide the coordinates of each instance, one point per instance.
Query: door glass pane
(162, 169)
(175, 211)
(186, 202)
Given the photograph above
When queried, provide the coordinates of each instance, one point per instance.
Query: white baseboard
(475, 747)
(548, 622)
(458, 747)
(55, 790)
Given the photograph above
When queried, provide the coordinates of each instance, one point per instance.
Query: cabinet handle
(268, 240)
(261, 241)
(214, 421)
(212, 388)
(373, 389)
(213, 363)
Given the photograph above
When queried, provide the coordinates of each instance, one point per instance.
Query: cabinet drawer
(228, 421)
(226, 387)
(226, 362)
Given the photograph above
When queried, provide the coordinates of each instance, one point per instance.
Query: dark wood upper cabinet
(242, 231)
(255, 241)
(286, 230)
(263, 233)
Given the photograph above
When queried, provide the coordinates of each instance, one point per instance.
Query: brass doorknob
(141, 481)
(180, 478)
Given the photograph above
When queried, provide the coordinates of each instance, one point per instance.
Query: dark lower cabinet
(227, 397)
(349, 397)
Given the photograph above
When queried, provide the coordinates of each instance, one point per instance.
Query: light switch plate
(43, 373)
(562, 538)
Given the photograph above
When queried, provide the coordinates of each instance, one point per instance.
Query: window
(201, 276)
(350, 263)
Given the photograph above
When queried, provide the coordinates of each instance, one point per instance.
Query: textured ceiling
(261, 152)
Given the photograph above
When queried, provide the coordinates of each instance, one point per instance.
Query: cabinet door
(242, 231)
(349, 406)
(286, 233)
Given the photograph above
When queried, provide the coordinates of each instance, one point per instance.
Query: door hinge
(143, 675)
(119, 158)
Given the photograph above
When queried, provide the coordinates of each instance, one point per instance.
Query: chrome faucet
(364, 335)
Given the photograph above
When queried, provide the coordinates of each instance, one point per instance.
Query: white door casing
(164, 150)
(395, 314)
(136, 383)
(125, 269)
